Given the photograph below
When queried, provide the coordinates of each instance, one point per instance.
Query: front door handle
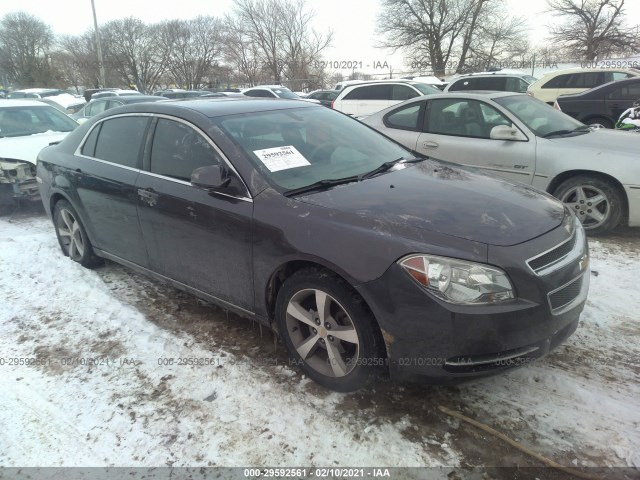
(430, 144)
(148, 196)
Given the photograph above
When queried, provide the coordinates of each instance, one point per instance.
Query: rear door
(458, 130)
(197, 238)
(622, 98)
(106, 168)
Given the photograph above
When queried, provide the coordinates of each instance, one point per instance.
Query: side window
(557, 82)
(371, 92)
(402, 92)
(515, 84)
(259, 93)
(465, 84)
(177, 150)
(405, 118)
(490, 117)
(96, 108)
(120, 140)
(457, 117)
(585, 80)
(490, 83)
(628, 92)
(89, 147)
(114, 104)
(619, 76)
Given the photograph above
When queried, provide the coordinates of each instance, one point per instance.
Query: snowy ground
(580, 406)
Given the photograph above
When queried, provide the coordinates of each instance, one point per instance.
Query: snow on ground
(146, 414)
(579, 406)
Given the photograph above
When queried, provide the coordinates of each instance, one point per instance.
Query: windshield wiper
(583, 128)
(321, 185)
(387, 165)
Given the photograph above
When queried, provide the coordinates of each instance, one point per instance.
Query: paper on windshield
(281, 158)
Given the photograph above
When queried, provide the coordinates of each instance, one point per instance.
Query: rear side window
(405, 118)
(370, 92)
(178, 150)
(120, 140)
(628, 92)
(557, 82)
(515, 84)
(89, 147)
(259, 93)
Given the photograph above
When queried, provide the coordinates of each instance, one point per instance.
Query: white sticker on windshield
(281, 158)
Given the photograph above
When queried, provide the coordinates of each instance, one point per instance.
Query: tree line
(274, 41)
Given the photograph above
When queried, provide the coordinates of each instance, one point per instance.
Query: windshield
(541, 118)
(285, 93)
(298, 147)
(21, 121)
(426, 89)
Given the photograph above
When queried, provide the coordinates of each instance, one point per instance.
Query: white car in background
(70, 102)
(273, 91)
(26, 127)
(595, 172)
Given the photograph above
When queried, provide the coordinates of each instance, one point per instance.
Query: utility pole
(98, 45)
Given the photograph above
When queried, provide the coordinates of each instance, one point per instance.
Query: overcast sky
(352, 21)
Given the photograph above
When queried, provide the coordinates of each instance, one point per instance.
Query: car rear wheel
(328, 331)
(597, 202)
(72, 236)
(605, 122)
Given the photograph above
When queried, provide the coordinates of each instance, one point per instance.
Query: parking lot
(125, 371)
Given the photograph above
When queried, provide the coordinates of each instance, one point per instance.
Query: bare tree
(25, 47)
(281, 36)
(193, 47)
(135, 51)
(241, 52)
(591, 29)
(499, 39)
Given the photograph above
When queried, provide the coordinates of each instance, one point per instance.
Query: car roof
(587, 70)
(216, 107)
(39, 90)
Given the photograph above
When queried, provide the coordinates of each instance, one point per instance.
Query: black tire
(610, 209)
(357, 365)
(605, 122)
(73, 239)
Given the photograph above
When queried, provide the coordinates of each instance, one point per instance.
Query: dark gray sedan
(365, 258)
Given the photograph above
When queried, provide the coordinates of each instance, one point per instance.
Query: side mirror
(81, 120)
(212, 177)
(218, 179)
(504, 132)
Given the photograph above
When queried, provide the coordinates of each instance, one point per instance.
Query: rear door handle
(430, 144)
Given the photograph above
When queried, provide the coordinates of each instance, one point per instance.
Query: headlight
(458, 281)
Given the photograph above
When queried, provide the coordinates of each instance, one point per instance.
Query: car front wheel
(72, 236)
(328, 331)
(597, 202)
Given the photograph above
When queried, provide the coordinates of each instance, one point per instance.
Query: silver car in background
(596, 172)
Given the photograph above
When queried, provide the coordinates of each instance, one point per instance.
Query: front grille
(553, 256)
(565, 295)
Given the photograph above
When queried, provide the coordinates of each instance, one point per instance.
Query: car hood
(449, 200)
(604, 141)
(27, 147)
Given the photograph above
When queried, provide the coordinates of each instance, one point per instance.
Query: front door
(197, 238)
(458, 130)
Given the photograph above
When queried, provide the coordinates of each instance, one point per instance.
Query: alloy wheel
(71, 235)
(589, 203)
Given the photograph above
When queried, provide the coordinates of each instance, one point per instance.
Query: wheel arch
(559, 179)
(285, 270)
(56, 196)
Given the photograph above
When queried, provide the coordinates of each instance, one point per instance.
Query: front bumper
(436, 342)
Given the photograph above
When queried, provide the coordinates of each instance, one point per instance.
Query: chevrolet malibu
(363, 257)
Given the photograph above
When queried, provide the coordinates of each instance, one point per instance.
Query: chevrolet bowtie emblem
(584, 262)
